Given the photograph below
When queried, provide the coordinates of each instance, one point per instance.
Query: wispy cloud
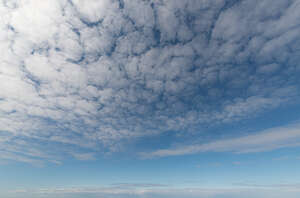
(278, 185)
(138, 185)
(20, 158)
(84, 156)
(276, 192)
(267, 140)
(237, 163)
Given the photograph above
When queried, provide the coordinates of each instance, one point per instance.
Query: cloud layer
(271, 139)
(287, 191)
(94, 74)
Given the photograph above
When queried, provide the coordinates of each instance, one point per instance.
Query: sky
(149, 98)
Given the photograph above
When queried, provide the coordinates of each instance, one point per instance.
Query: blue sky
(146, 98)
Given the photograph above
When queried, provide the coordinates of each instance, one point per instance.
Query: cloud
(96, 75)
(20, 158)
(138, 185)
(280, 185)
(84, 156)
(267, 140)
(163, 193)
(237, 163)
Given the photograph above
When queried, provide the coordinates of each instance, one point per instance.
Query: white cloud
(20, 158)
(91, 74)
(112, 192)
(271, 139)
(84, 156)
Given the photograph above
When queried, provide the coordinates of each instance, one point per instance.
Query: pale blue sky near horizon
(149, 99)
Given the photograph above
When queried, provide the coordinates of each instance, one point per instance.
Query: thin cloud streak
(267, 140)
(247, 192)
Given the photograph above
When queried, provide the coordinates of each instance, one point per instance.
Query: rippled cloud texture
(81, 78)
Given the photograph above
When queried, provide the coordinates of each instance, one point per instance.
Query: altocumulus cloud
(94, 74)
